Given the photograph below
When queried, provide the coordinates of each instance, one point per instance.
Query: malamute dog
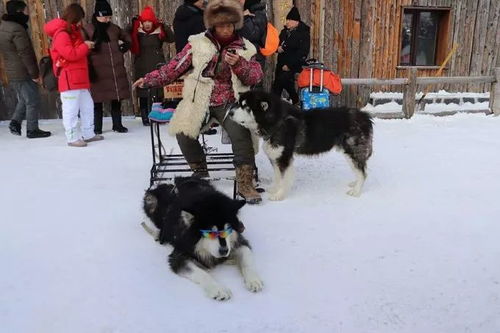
(202, 225)
(286, 131)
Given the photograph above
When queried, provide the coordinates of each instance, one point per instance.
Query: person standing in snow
(109, 78)
(69, 55)
(292, 54)
(255, 26)
(188, 21)
(148, 35)
(218, 64)
(21, 69)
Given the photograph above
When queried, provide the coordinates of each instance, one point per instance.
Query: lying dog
(286, 131)
(202, 225)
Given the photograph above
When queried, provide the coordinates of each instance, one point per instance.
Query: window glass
(406, 34)
(426, 38)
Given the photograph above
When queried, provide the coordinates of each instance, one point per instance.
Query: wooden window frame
(443, 35)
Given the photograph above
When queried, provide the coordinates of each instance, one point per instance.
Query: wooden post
(495, 94)
(409, 95)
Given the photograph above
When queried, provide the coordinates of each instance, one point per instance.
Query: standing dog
(286, 130)
(202, 225)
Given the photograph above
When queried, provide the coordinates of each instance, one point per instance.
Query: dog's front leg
(244, 258)
(286, 176)
(185, 267)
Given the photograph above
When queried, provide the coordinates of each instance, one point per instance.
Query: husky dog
(286, 130)
(202, 225)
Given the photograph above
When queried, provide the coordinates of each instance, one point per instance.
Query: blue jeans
(28, 103)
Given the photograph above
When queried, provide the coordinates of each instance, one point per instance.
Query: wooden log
(409, 94)
(373, 82)
(455, 80)
(495, 94)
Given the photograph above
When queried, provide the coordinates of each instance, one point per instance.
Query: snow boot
(38, 133)
(144, 116)
(15, 127)
(116, 116)
(245, 186)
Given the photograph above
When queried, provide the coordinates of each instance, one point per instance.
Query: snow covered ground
(418, 252)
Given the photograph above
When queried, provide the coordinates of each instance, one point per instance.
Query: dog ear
(239, 227)
(150, 203)
(187, 218)
(264, 105)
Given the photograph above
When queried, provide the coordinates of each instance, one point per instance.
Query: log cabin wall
(356, 38)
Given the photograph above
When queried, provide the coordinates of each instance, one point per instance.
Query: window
(424, 36)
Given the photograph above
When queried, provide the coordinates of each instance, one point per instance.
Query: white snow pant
(76, 102)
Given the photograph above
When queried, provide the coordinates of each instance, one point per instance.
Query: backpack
(49, 80)
(271, 42)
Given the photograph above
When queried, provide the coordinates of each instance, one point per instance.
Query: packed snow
(419, 251)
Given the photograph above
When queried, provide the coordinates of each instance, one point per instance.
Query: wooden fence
(410, 87)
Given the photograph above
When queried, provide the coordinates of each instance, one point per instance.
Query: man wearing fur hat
(219, 65)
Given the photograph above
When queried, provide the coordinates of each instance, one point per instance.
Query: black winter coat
(188, 20)
(255, 27)
(295, 44)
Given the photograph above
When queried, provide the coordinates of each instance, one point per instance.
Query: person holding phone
(219, 65)
(69, 55)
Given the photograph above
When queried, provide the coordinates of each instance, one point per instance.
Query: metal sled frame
(166, 166)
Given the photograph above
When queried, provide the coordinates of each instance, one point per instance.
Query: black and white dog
(202, 225)
(286, 131)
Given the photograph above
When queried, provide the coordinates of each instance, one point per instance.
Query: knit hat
(102, 8)
(222, 12)
(15, 6)
(293, 15)
(148, 14)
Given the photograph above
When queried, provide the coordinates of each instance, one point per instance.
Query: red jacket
(69, 56)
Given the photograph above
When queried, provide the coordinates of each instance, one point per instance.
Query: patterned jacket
(210, 81)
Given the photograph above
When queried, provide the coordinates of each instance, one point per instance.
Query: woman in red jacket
(69, 56)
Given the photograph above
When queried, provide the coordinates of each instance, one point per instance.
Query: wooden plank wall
(366, 41)
(361, 38)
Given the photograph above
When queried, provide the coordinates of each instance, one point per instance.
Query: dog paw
(253, 282)
(276, 196)
(354, 193)
(352, 184)
(218, 293)
(272, 190)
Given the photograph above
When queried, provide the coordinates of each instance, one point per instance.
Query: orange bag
(272, 41)
(331, 81)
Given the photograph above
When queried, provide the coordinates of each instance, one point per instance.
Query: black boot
(38, 133)
(15, 127)
(144, 116)
(116, 116)
(98, 118)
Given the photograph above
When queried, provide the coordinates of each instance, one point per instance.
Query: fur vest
(192, 111)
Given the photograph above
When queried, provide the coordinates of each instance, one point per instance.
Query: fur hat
(223, 11)
(293, 15)
(102, 8)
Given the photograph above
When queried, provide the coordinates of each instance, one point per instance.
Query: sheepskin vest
(192, 111)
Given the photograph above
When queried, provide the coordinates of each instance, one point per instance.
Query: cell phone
(233, 51)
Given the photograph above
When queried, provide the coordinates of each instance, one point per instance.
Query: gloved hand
(124, 47)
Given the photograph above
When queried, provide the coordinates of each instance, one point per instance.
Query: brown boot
(199, 169)
(246, 188)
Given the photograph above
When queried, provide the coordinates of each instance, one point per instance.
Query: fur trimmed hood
(223, 11)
